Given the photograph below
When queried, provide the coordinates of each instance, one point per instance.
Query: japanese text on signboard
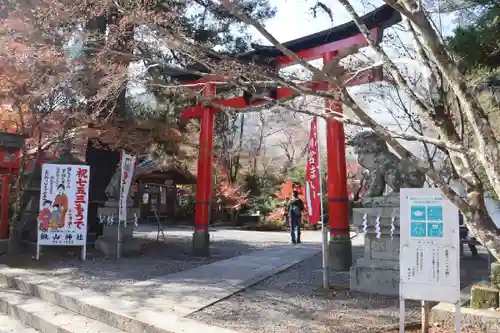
(429, 254)
(62, 218)
(127, 172)
(312, 178)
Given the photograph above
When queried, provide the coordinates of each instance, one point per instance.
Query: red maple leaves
(228, 195)
(287, 188)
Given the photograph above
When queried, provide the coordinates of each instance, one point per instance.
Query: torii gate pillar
(10, 148)
(201, 236)
(339, 247)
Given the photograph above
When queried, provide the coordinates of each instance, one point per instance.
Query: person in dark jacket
(295, 209)
(464, 231)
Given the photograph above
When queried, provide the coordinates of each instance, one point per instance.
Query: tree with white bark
(451, 106)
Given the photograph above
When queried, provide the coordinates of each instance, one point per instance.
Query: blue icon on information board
(435, 213)
(418, 229)
(435, 229)
(418, 213)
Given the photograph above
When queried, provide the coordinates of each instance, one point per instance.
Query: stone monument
(108, 217)
(378, 271)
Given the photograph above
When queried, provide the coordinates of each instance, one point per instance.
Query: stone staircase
(29, 304)
(8, 325)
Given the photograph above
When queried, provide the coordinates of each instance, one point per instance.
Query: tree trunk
(479, 221)
(261, 143)
(488, 153)
(481, 225)
(236, 158)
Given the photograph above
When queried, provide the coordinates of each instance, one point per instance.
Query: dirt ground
(289, 302)
(156, 258)
(436, 330)
(293, 302)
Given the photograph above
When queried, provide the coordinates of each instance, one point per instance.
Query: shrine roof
(382, 17)
(12, 140)
(150, 172)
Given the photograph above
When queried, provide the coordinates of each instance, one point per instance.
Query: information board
(62, 218)
(429, 254)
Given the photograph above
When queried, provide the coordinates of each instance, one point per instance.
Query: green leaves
(477, 44)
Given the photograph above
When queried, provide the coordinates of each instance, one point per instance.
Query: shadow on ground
(294, 301)
(103, 274)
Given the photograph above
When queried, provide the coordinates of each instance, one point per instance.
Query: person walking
(464, 234)
(457, 185)
(295, 209)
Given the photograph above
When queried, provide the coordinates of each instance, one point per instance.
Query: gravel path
(437, 330)
(157, 259)
(293, 302)
(286, 303)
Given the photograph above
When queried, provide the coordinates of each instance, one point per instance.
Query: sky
(294, 19)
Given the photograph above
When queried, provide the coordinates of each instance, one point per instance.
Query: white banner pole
(118, 231)
(324, 230)
(458, 318)
(402, 314)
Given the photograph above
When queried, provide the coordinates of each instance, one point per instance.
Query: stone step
(47, 317)
(129, 316)
(9, 325)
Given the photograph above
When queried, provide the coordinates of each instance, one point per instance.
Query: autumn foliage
(228, 195)
(231, 197)
(287, 188)
(282, 195)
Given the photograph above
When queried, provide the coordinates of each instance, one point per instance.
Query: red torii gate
(325, 44)
(10, 148)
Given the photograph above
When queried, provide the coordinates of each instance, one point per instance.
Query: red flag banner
(313, 196)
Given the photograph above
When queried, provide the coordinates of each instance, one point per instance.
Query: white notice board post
(429, 249)
(62, 218)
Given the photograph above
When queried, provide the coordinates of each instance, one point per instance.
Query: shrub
(272, 225)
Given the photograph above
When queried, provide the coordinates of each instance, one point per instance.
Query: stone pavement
(154, 306)
(188, 291)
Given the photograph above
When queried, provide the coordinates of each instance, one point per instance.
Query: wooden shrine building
(156, 190)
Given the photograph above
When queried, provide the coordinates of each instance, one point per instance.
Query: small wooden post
(426, 314)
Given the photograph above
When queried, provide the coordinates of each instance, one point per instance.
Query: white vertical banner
(62, 218)
(127, 173)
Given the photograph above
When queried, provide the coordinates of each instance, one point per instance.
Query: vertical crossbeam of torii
(339, 247)
(10, 150)
(326, 45)
(201, 237)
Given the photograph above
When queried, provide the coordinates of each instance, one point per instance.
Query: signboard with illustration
(62, 220)
(430, 255)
